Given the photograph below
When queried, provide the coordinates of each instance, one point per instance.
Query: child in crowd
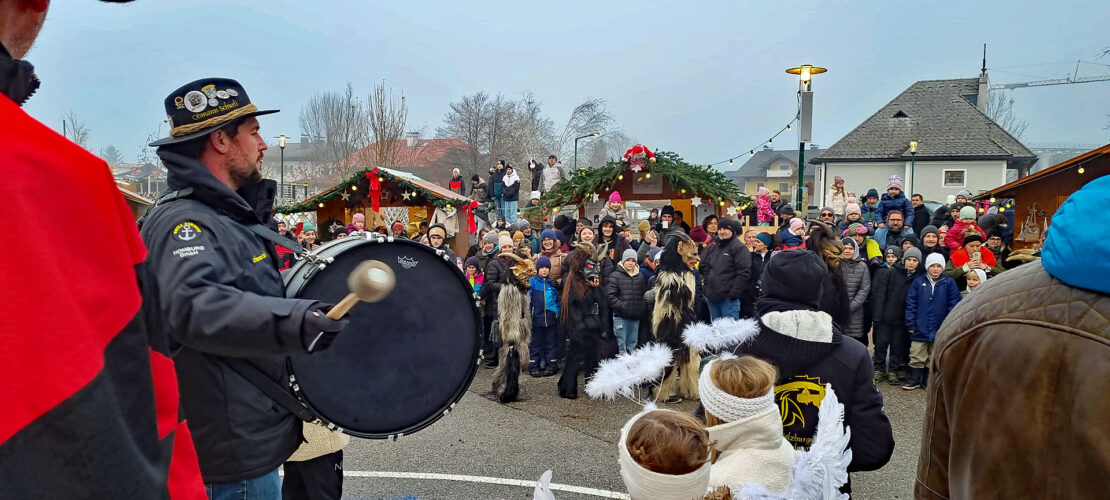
(792, 235)
(894, 199)
(614, 208)
(976, 278)
(909, 240)
(744, 421)
(474, 274)
(625, 294)
(931, 242)
(888, 311)
(955, 238)
(544, 305)
(764, 214)
(665, 455)
(858, 281)
(929, 300)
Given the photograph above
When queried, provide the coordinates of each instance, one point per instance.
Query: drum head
(402, 362)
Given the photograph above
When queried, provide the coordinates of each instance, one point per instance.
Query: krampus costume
(585, 317)
(675, 307)
(515, 330)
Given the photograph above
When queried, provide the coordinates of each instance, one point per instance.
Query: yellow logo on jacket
(796, 393)
(258, 258)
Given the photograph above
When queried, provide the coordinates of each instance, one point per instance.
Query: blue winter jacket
(544, 301)
(888, 203)
(1075, 252)
(927, 306)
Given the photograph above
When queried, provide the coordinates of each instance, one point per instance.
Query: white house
(958, 146)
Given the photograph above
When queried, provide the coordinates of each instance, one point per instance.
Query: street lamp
(595, 134)
(913, 163)
(281, 144)
(805, 74)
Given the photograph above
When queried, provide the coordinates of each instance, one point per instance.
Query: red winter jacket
(90, 401)
(954, 240)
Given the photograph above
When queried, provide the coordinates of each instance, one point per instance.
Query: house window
(784, 187)
(954, 178)
(760, 184)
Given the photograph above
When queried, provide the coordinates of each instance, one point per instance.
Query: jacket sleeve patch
(186, 231)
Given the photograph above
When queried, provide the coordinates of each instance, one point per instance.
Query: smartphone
(977, 256)
(665, 224)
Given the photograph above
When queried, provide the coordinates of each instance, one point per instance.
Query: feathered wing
(820, 472)
(722, 333)
(622, 375)
(543, 487)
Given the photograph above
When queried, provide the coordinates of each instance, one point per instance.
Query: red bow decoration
(471, 225)
(375, 189)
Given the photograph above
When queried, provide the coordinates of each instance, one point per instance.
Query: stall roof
(439, 192)
(133, 196)
(1046, 172)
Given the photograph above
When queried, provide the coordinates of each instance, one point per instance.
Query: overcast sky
(703, 79)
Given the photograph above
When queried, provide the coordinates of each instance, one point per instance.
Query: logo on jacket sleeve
(186, 231)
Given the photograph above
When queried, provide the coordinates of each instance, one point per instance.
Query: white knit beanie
(934, 258)
(644, 484)
(725, 406)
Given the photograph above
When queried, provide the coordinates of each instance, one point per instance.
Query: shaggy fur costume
(674, 310)
(516, 329)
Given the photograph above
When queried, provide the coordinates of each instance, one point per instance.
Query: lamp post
(805, 74)
(595, 134)
(281, 144)
(913, 163)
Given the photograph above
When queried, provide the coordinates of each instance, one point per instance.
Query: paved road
(490, 443)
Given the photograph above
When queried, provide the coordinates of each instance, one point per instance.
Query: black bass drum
(401, 363)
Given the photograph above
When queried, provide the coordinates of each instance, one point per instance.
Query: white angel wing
(725, 332)
(543, 487)
(620, 376)
(820, 472)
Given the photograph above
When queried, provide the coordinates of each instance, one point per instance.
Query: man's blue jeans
(627, 332)
(264, 487)
(728, 308)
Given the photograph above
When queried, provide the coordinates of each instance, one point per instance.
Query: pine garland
(708, 184)
(431, 198)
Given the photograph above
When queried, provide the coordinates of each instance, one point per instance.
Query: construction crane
(1074, 78)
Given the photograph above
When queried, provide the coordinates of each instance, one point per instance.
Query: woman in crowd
(858, 282)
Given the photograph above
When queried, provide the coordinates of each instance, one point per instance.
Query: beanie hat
(795, 276)
(972, 235)
(517, 236)
(763, 191)
(915, 253)
(644, 226)
(437, 229)
(359, 217)
(339, 230)
(491, 237)
(855, 228)
(698, 234)
(982, 275)
(894, 182)
(796, 224)
(934, 258)
(987, 222)
(894, 249)
(645, 484)
(586, 222)
(471, 261)
(549, 233)
(536, 195)
(475, 178)
(872, 193)
(968, 212)
(910, 238)
(561, 221)
(994, 231)
(963, 192)
(628, 254)
(852, 207)
(667, 210)
(826, 209)
(837, 179)
(505, 242)
(307, 226)
(523, 223)
(615, 197)
(930, 229)
(850, 241)
(786, 212)
(543, 262)
(726, 406)
(764, 238)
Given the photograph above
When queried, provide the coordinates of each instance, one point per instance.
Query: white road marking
(485, 479)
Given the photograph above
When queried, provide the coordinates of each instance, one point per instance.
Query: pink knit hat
(894, 182)
(763, 191)
(796, 224)
(615, 197)
(359, 217)
(852, 207)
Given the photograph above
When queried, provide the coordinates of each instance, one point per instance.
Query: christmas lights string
(768, 142)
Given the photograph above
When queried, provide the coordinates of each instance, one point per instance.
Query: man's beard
(249, 173)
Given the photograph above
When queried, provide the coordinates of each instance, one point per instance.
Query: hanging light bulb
(751, 153)
(722, 203)
(354, 188)
(381, 179)
(1081, 170)
(1002, 209)
(620, 177)
(787, 126)
(770, 142)
(730, 162)
(448, 207)
(648, 176)
(992, 199)
(683, 191)
(321, 205)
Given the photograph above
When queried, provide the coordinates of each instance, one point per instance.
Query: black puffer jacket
(888, 294)
(752, 292)
(213, 286)
(726, 268)
(496, 270)
(625, 293)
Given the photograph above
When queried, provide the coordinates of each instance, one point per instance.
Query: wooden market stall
(138, 203)
(1036, 197)
(688, 188)
(384, 196)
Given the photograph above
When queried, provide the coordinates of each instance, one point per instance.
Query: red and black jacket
(90, 405)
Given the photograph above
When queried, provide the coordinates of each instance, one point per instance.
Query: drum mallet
(371, 281)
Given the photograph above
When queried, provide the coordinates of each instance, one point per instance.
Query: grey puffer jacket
(858, 279)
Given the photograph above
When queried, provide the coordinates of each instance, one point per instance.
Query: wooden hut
(1036, 197)
(138, 203)
(399, 197)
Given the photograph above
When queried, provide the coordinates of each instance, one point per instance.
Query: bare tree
(468, 121)
(338, 124)
(589, 117)
(387, 118)
(76, 128)
(1001, 110)
(148, 154)
(111, 156)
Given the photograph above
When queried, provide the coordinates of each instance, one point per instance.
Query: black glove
(318, 331)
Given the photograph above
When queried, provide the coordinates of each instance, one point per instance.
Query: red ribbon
(375, 189)
(472, 225)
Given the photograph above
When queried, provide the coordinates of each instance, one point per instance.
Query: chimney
(984, 96)
(411, 138)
